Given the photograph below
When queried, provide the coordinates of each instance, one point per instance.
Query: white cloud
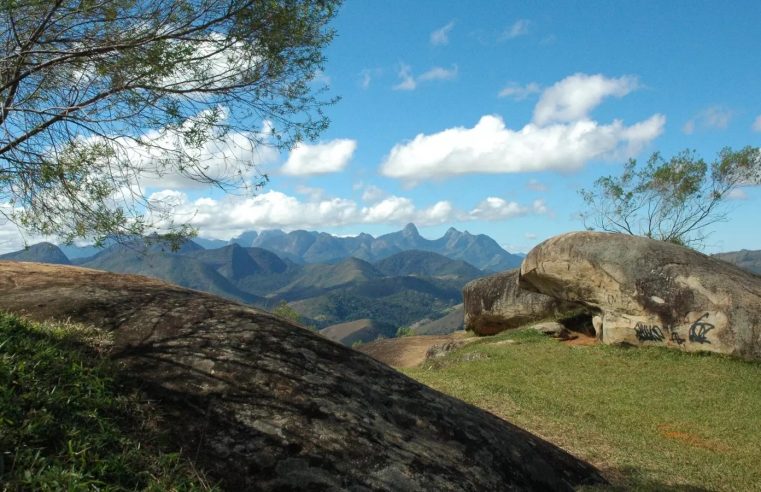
(439, 73)
(366, 79)
(737, 194)
(329, 157)
(367, 75)
(313, 194)
(231, 215)
(494, 208)
(757, 124)
(689, 127)
(391, 209)
(535, 185)
(321, 78)
(530, 236)
(519, 92)
(711, 118)
(517, 29)
(575, 96)
(372, 194)
(157, 155)
(490, 147)
(441, 36)
(408, 82)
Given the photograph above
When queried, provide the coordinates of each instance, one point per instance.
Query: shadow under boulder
(496, 303)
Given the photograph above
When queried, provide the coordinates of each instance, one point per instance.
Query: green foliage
(651, 418)
(673, 200)
(404, 331)
(97, 96)
(284, 310)
(68, 423)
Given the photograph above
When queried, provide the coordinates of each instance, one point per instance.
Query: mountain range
(747, 260)
(348, 298)
(479, 250)
(352, 289)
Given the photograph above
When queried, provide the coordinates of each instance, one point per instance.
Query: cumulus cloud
(308, 191)
(408, 81)
(495, 208)
(535, 185)
(574, 97)
(439, 73)
(490, 147)
(737, 194)
(367, 75)
(519, 92)
(372, 194)
(517, 29)
(711, 118)
(156, 156)
(231, 215)
(322, 158)
(562, 137)
(757, 124)
(12, 237)
(441, 35)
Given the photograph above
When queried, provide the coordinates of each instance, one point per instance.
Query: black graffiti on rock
(677, 338)
(648, 333)
(699, 329)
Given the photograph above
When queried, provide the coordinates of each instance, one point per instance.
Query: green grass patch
(650, 418)
(67, 422)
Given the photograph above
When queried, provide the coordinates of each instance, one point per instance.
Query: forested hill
(408, 288)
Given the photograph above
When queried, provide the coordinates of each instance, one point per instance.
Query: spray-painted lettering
(699, 329)
(648, 333)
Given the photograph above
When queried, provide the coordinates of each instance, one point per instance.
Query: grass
(67, 422)
(649, 418)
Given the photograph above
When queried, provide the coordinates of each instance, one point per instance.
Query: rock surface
(552, 329)
(650, 292)
(261, 404)
(496, 303)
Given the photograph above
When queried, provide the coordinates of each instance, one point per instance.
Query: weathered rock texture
(496, 303)
(261, 404)
(650, 292)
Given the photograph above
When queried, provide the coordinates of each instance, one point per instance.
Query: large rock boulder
(650, 292)
(261, 404)
(496, 303)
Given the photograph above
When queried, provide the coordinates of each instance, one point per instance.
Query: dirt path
(409, 351)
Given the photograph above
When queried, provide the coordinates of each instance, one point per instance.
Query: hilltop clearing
(259, 403)
(651, 418)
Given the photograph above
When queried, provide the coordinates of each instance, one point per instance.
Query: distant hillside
(361, 330)
(402, 288)
(747, 260)
(316, 279)
(448, 323)
(172, 267)
(427, 264)
(40, 253)
(235, 262)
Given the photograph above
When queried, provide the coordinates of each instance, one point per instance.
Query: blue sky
(403, 69)
(489, 116)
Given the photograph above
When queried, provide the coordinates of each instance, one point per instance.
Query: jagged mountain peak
(410, 230)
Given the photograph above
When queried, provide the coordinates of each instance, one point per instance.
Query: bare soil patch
(410, 351)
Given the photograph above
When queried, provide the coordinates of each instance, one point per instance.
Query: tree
(673, 200)
(285, 310)
(97, 96)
